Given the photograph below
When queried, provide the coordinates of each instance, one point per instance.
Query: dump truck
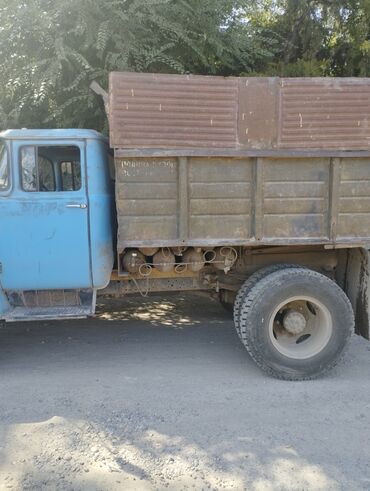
(255, 190)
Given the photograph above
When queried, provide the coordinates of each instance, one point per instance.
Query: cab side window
(37, 171)
(70, 175)
(46, 174)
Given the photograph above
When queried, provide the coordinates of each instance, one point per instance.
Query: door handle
(82, 206)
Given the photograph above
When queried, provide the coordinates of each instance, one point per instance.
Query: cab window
(70, 175)
(54, 168)
(37, 171)
(4, 167)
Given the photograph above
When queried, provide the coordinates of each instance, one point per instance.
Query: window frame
(36, 152)
(7, 188)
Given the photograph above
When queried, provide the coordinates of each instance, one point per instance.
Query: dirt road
(159, 394)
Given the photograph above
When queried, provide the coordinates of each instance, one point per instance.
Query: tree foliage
(318, 37)
(51, 51)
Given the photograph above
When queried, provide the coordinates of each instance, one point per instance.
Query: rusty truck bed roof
(202, 115)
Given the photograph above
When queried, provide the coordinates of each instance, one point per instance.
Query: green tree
(318, 37)
(51, 51)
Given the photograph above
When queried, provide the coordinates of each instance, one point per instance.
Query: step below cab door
(45, 218)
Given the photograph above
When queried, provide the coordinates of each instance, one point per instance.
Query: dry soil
(158, 393)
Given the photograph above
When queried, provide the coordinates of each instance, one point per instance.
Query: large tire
(250, 283)
(317, 313)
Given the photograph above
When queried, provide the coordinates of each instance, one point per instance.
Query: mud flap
(357, 284)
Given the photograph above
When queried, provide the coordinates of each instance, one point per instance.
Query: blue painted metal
(102, 212)
(57, 135)
(46, 245)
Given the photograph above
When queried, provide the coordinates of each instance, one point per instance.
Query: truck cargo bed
(211, 161)
(242, 201)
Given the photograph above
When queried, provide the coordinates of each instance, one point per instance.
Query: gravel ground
(158, 393)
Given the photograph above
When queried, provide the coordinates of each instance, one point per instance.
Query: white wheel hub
(300, 327)
(294, 322)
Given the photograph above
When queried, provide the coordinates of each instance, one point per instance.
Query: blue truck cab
(57, 222)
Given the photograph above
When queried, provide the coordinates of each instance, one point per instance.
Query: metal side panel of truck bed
(203, 201)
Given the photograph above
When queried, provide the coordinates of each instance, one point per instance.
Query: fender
(357, 287)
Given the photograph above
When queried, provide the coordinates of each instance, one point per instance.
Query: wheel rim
(300, 327)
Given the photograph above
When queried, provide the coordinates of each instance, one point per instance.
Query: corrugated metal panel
(325, 113)
(170, 111)
(166, 112)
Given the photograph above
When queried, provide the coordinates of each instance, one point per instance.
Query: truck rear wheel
(250, 283)
(295, 323)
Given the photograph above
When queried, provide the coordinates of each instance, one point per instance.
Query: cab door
(45, 219)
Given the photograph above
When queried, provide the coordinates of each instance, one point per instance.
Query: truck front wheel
(295, 323)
